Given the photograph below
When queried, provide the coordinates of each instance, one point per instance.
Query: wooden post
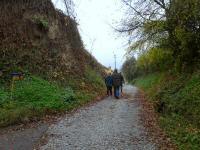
(15, 77)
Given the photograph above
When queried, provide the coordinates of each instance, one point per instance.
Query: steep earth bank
(44, 45)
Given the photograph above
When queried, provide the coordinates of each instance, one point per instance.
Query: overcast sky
(95, 18)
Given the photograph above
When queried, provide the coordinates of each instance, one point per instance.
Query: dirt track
(22, 139)
(110, 124)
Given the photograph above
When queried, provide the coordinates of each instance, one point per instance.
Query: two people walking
(116, 81)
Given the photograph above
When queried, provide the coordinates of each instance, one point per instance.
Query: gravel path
(111, 124)
(22, 139)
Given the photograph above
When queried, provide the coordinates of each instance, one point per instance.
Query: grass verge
(34, 97)
(177, 99)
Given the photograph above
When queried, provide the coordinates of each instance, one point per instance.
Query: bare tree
(70, 8)
(143, 16)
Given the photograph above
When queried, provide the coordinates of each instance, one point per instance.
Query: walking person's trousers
(109, 90)
(116, 91)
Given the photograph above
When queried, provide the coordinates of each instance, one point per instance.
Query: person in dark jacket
(116, 82)
(109, 84)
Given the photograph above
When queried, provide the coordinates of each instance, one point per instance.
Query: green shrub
(33, 97)
(155, 59)
(41, 21)
(4, 96)
(69, 95)
(37, 91)
(179, 95)
(183, 134)
(149, 81)
(94, 78)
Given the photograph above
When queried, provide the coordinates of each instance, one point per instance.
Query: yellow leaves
(192, 130)
(153, 57)
(157, 25)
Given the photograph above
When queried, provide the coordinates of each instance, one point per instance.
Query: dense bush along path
(109, 124)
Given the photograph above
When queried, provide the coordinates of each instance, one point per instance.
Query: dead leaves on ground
(149, 119)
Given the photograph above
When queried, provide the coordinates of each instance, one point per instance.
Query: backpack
(116, 79)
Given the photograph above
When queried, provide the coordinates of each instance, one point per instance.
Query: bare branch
(138, 13)
(69, 6)
(161, 3)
